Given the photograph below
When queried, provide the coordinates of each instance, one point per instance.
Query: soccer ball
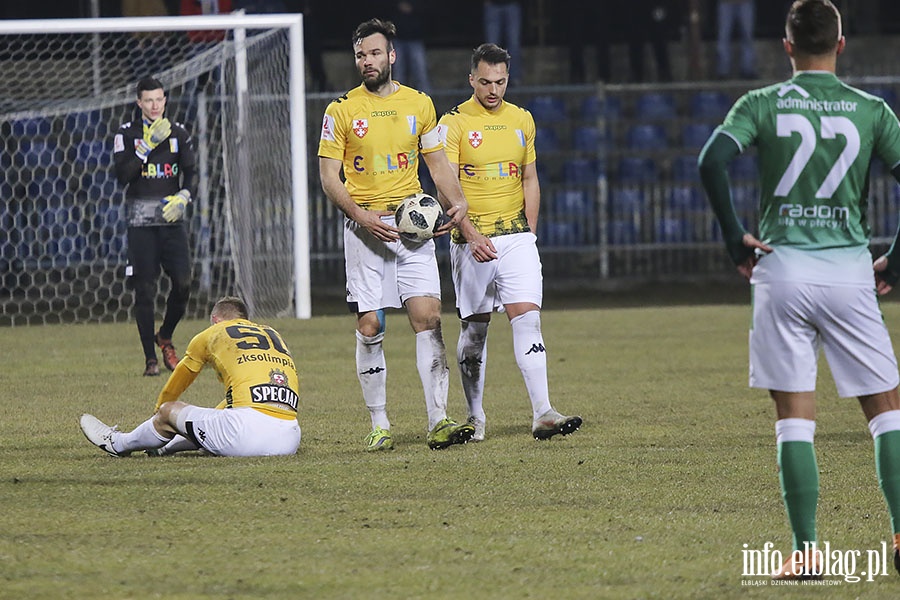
(419, 216)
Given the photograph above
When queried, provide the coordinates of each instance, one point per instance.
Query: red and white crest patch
(360, 127)
(475, 139)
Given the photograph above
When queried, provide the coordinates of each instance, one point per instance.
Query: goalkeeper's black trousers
(149, 250)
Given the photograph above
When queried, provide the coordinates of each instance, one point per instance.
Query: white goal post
(236, 81)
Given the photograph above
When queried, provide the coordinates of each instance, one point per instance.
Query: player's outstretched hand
(885, 277)
(175, 205)
(372, 221)
(745, 268)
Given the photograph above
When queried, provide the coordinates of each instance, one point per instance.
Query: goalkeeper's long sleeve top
(169, 167)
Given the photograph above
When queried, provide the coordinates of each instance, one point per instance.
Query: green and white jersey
(816, 137)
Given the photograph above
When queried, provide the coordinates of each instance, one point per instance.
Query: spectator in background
(503, 26)
(593, 26)
(743, 14)
(411, 66)
(650, 21)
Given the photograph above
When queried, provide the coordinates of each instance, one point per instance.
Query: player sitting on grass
(261, 383)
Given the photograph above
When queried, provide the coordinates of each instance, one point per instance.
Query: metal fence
(620, 194)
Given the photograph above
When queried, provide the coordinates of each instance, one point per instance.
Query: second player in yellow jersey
(492, 148)
(495, 261)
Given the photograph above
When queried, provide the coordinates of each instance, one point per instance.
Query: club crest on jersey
(277, 377)
(475, 139)
(361, 127)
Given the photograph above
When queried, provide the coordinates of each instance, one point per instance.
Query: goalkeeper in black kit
(155, 159)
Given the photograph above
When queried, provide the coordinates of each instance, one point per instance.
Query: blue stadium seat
(888, 94)
(685, 198)
(622, 231)
(744, 168)
(94, 153)
(695, 135)
(710, 105)
(636, 169)
(646, 136)
(557, 233)
(627, 201)
(85, 122)
(589, 139)
(547, 109)
(572, 202)
(684, 168)
(31, 128)
(673, 229)
(546, 139)
(655, 105)
(38, 153)
(580, 171)
(592, 107)
(745, 197)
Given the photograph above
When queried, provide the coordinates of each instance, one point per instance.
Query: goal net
(235, 82)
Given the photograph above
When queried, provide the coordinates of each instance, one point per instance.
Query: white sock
(471, 354)
(884, 423)
(795, 430)
(531, 356)
(371, 370)
(431, 361)
(142, 437)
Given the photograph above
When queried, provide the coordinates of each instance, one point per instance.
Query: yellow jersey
(253, 363)
(379, 142)
(491, 148)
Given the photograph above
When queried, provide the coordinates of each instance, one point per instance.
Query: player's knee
(371, 323)
(181, 289)
(144, 292)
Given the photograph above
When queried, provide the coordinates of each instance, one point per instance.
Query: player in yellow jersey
(495, 260)
(258, 416)
(376, 134)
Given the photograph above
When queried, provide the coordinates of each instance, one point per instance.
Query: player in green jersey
(812, 276)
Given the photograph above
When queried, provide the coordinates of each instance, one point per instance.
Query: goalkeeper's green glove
(154, 135)
(175, 205)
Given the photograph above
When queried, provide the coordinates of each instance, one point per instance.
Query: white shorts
(239, 431)
(791, 321)
(386, 274)
(514, 276)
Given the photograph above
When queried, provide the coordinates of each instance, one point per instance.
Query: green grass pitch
(671, 474)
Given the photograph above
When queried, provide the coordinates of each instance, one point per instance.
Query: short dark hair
(373, 26)
(492, 54)
(230, 307)
(813, 26)
(148, 84)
